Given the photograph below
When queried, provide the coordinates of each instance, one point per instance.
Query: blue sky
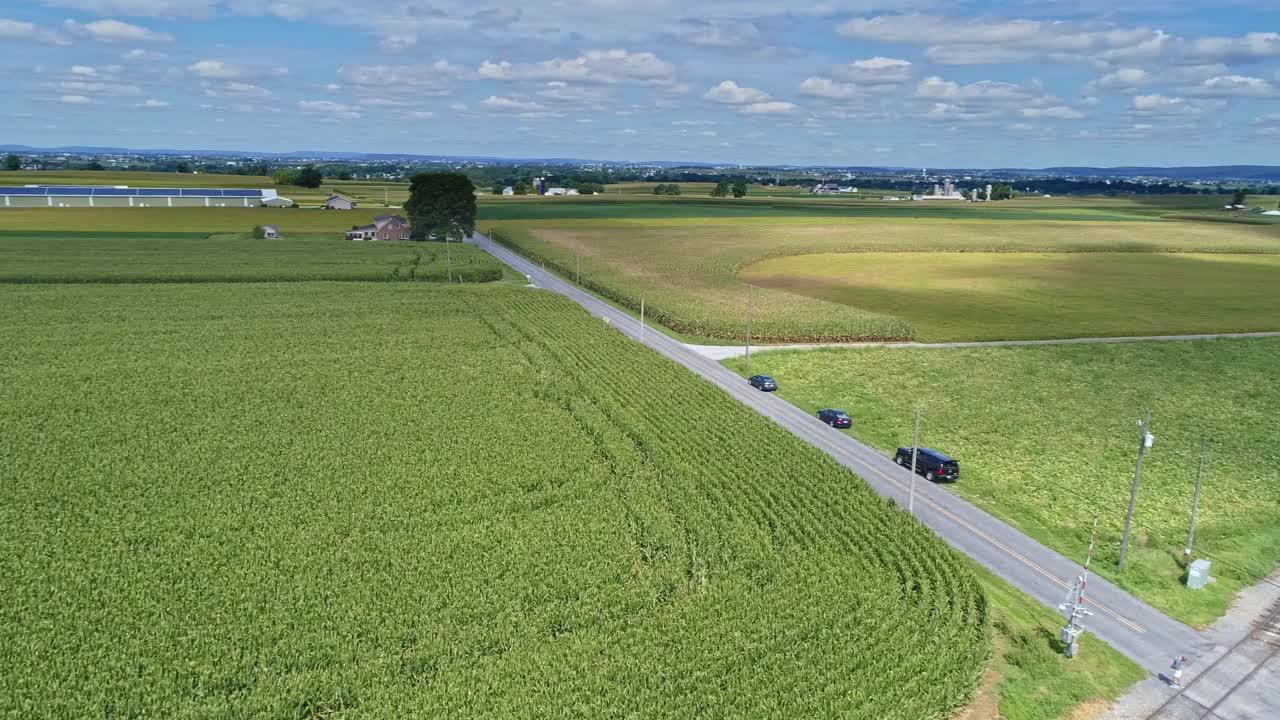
(857, 82)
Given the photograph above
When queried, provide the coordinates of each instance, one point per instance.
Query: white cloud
(30, 32)
(953, 40)
(153, 104)
(140, 55)
(875, 71)
(595, 66)
(1157, 105)
(1056, 112)
(982, 91)
(730, 93)
(107, 89)
(1157, 102)
(988, 100)
(564, 92)
(329, 109)
(84, 71)
(140, 8)
(434, 78)
(237, 89)
(721, 34)
(511, 104)
(398, 42)
(827, 88)
(1233, 86)
(773, 107)
(1122, 79)
(1251, 47)
(215, 69)
(420, 114)
(76, 100)
(115, 31)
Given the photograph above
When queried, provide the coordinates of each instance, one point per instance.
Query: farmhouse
(508, 190)
(270, 232)
(339, 202)
(384, 227)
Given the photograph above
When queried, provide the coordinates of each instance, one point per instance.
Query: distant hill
(1267, 173)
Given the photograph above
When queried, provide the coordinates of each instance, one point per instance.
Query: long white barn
(124, 196)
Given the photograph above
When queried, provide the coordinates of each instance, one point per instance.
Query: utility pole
(1146, 440)
(915, 446)
(748, 366)
(641, 319)
(578, 260)
(1074, 608)
(448, 259)
(1195, 504)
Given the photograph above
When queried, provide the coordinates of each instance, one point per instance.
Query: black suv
(763, 382)
(835, 418)
(932, 464)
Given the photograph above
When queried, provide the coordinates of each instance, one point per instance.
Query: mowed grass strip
(1046, 438)
(377, 500)
(687, 269)
(70, 258)
(1016, 296)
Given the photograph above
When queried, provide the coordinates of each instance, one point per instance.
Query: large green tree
(721, 189)
(12, 162)
(309, 177)
(740, 189)
(441, 206)
(1002, 192)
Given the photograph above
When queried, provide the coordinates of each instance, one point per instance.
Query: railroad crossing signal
(1073, 607)
(1074, 610)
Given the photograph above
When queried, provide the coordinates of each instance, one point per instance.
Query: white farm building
(124, 196)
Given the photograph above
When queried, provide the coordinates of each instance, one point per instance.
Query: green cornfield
(360, 500)
(131, 257)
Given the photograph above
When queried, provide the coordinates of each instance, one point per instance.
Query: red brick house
(384, 227)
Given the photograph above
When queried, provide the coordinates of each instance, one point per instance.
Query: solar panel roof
(84, 190)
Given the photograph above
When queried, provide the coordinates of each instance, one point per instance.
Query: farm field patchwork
(687, 269)
(1015, 296)
(95, 257)
(293, 500)
(1046, 439)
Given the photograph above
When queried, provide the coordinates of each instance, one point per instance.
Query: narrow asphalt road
(724, 352)
(1132, 627)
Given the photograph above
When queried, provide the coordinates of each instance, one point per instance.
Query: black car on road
(930, 463)
(763, 382)
(835, 418)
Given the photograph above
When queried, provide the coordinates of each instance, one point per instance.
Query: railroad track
(1265, 633)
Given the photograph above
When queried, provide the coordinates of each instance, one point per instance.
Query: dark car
(763, 382)
(835, 418)
(930, 463)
